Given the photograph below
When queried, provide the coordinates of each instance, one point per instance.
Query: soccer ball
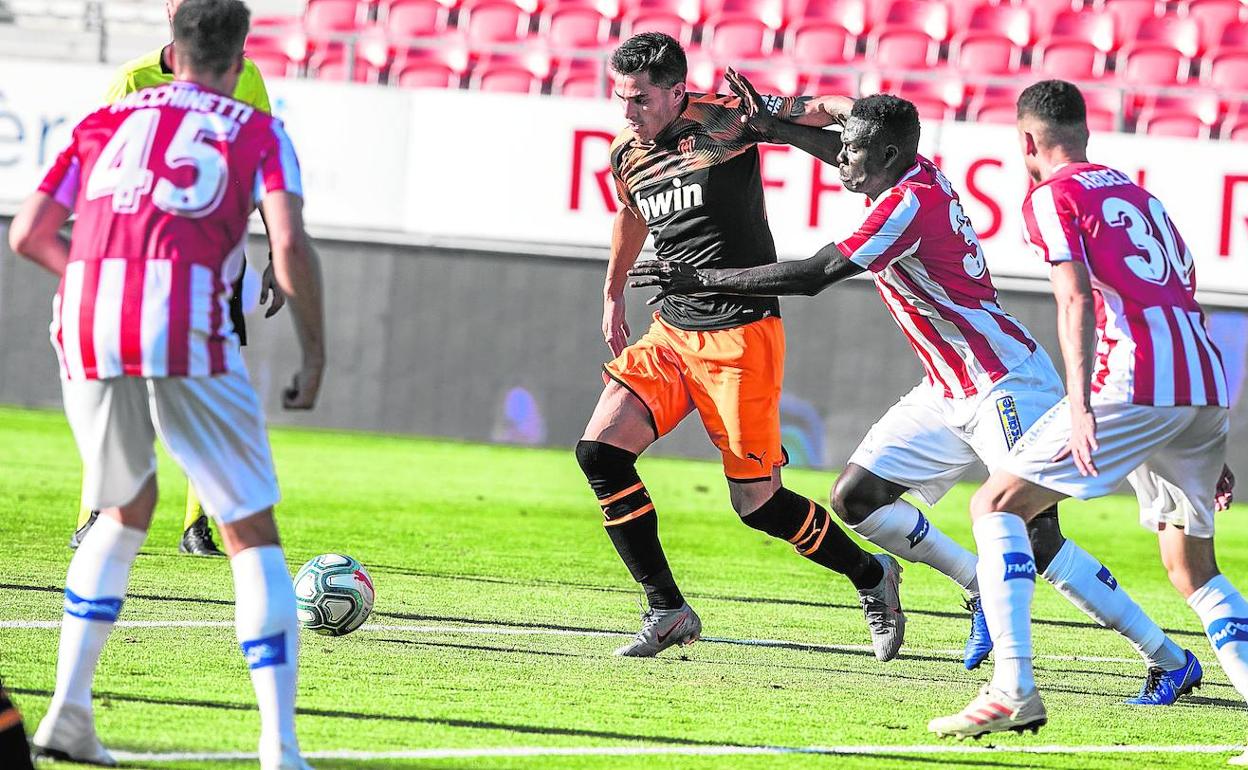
(333, 594)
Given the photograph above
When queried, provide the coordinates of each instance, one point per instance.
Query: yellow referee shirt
(150, 70)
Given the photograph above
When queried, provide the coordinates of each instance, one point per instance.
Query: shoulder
(147, 61)
(126, 78)
(251, 88)
(619, 146)
(713, 110)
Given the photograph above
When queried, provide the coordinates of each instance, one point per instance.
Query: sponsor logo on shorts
(92, 609)
(1020, 565)
(1108, 579)
(1225, 630)
(269, 651)
(1011, 426)
(921, 528)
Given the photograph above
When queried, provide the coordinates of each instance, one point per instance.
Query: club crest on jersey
(1011, 426)
(91, 609)
(1019, 565)
(686, 146)
(1108, 579)
(1226, 630)
(268, 651)
(921, 528)
(678, 197)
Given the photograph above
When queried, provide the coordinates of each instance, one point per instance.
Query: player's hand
(757, 118)
(615, 325)
(268, 286)
(1082, 441)
(670, 277)
(304, 387)
(1224, 493)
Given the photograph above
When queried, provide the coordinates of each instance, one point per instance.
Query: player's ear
(678, 91)
(237, 69)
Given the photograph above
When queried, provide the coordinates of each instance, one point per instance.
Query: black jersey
(699, 190)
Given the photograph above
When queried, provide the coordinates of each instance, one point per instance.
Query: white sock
(268, 632)
(903, 530)
(1007, 582)
(95, 588)
(1224, 614)
(1088, 584)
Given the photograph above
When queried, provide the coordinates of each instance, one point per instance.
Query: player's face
(648, 108)
(863, 162)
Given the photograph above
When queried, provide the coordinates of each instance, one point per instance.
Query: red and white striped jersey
(162, 182)
(1152, 347)
(929, 269)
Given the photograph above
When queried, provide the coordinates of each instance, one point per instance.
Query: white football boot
(881, 606)
(1241, 760)
(993, 712)
(661, 629)
(68, 732)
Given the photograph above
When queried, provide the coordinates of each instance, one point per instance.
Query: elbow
(20, 239)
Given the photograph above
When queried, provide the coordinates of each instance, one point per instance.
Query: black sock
(813, 533)
(14, 750)
(631, 522)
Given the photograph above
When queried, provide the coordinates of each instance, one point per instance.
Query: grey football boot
(661, 629)
(68, 732)
(882, 607)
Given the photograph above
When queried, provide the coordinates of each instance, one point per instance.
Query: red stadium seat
(1236, 131)
(779, 81)
(573, 27)
(1205, 104)
(935, 100)
(1173, 123)
(737, 37)
(330, 17)
(1069, 60)
(834, 85)
(689, 10)
(657, 21)
(769, 12)
(904, 49)
(926, 16)
(430, 68)
(850, 15)
(334, 68)
(375, 48)
(1129, 14)
(1009, 21)
(1228, 71)
(819, 42)
(490, 22)
(986, 53)
(1098, 29)
(415, 18)
(1183, 35)
(704, 74)
(1233, 38)
(1044, 12)
(505, 78)
(583, 78)
(272, 63)
(994, 112)
(1152, 65)
(1213, 16)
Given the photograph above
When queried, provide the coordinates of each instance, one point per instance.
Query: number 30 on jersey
(122, 170)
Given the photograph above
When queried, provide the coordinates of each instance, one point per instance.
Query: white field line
(503, 631)
(708, 751)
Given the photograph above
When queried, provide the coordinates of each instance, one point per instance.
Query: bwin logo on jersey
(1019, 565)
(678, 197)
(91, 609)
(1108, 579)
(921, 528)
(1226, 630)
(1010, 424)
(269, 651)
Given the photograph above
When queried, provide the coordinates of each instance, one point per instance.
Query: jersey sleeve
(64, 177)
(1050, 227)
(887, 235)
(279, 166)
(251, 88)
(786, 107)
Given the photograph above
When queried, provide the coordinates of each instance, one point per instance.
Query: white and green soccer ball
(333, 594)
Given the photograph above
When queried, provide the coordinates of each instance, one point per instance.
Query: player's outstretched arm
(1076, 334)
(807, 277)
(298, 273)
(801, 128)
(35, 233)
(628, 235)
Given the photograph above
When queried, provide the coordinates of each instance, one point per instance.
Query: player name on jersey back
(1152, 345)
(187, 97)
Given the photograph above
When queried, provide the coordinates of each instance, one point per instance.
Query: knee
(597, 458)
(1046, 539)
(854, 500)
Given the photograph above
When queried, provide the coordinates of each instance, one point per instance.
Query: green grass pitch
(479, 552)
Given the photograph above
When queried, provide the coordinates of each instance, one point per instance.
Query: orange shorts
(731, 376)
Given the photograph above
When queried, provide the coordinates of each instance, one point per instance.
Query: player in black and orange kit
(687, 171)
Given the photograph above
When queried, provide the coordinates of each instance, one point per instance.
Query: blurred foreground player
(14, 750)
(163, 183)
(987, 379)
(1146, 403)
(155, 68)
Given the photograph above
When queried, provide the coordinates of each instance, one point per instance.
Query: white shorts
(926, 442)
(1171, 455)
(213, 427)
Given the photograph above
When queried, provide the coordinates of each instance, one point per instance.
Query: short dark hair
(1055, 102)
(209, 34)
(658, 55)
(894, 121)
